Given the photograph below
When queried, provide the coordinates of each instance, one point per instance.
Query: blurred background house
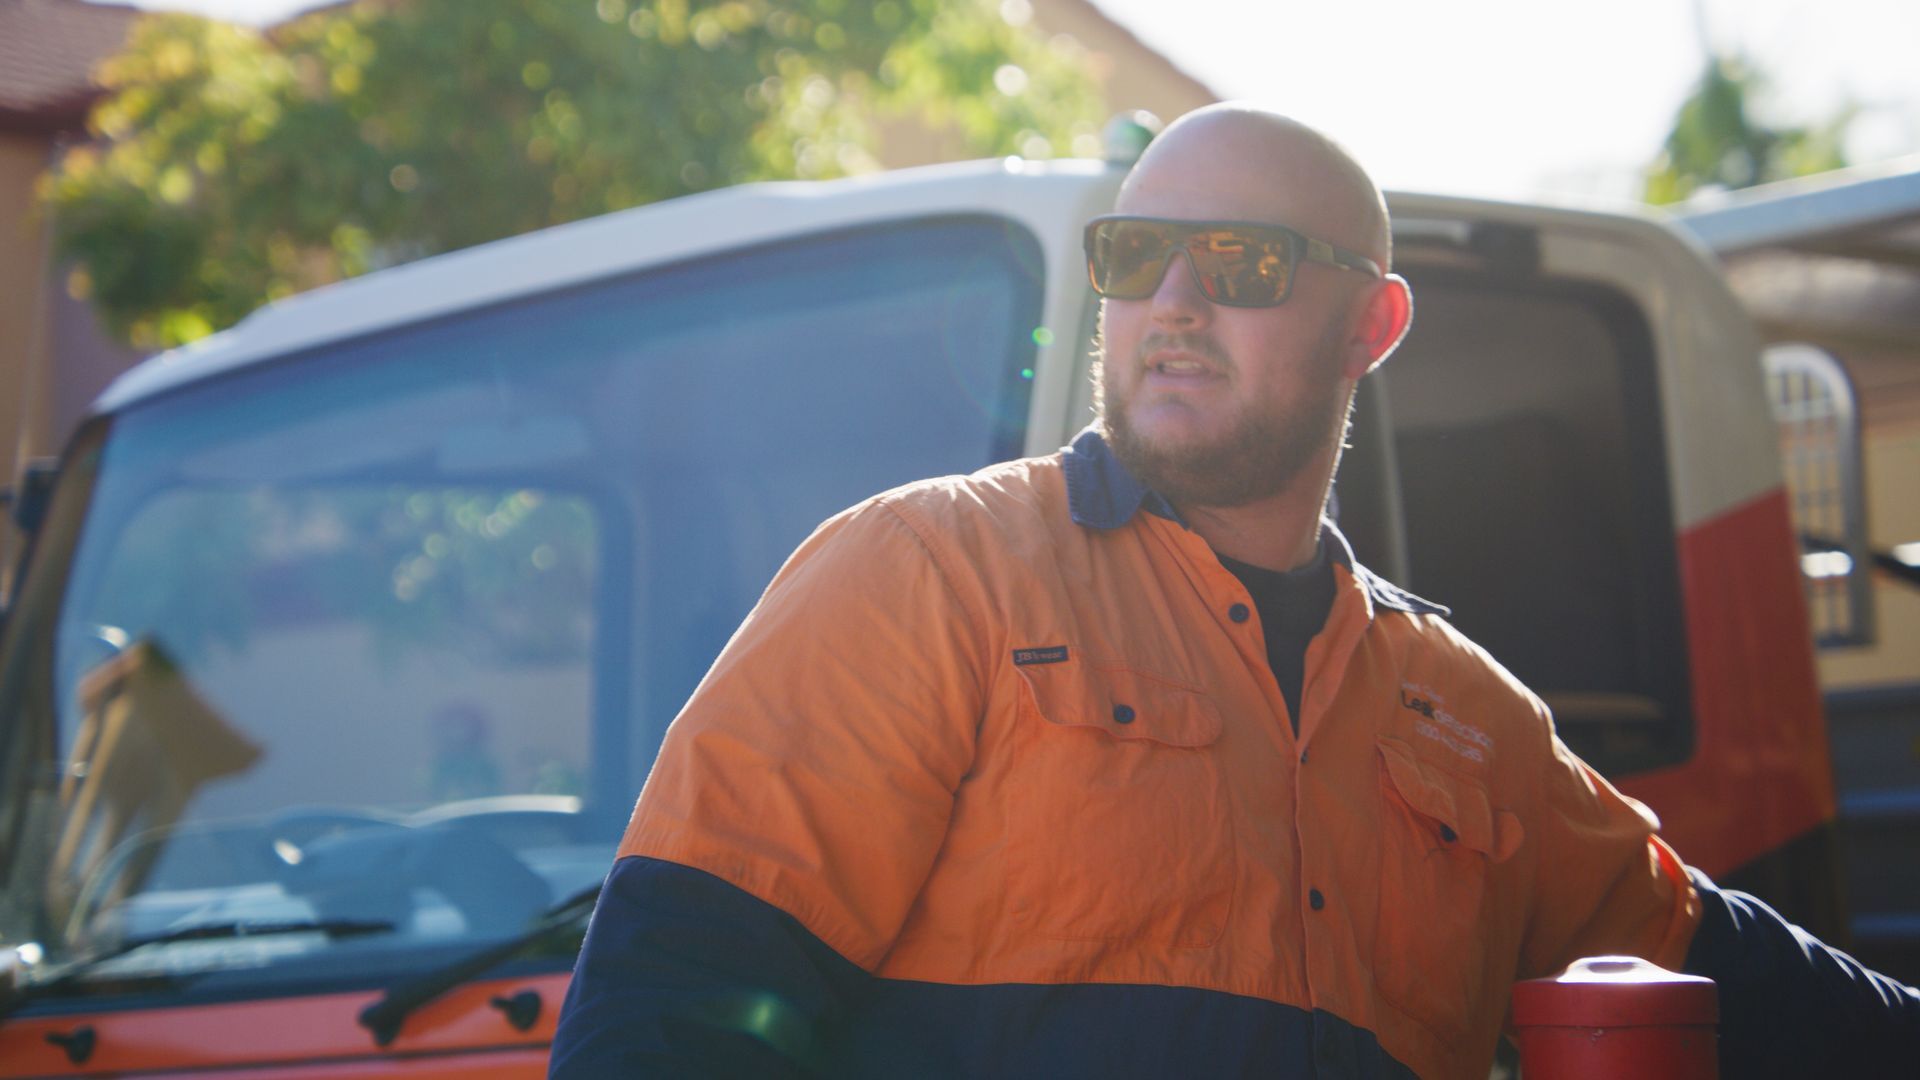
(53, 358)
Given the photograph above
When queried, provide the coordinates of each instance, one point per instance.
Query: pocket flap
(1122, 703)
(1459, 804)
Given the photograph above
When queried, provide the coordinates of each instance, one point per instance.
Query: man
(1081, 765)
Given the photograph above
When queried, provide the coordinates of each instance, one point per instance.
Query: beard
(1264, 451)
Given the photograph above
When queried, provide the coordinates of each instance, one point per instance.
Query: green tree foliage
(1717, 143)
(236, 168)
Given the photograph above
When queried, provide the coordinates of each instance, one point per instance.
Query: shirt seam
(927, 539)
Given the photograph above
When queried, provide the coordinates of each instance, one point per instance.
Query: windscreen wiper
(385, 1016)
(11, 1001)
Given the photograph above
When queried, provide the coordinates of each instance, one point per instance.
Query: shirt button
(1239, 613)
(1315, 900)
(1303, 757)
(1123, 714)
(1447, 833)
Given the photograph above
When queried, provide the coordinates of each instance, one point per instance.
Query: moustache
(1201, 345)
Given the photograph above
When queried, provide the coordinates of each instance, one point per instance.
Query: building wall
(54, 356)
(25, 336)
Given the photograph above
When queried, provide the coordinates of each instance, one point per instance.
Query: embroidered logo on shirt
(1052, 654)
(1442, 726)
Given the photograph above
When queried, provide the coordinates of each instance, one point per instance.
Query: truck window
(454, 579)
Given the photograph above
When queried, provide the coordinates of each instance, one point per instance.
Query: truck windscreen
(386, 632)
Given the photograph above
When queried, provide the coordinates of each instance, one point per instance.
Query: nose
(1178, 303)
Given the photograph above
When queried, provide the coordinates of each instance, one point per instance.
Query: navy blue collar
(1102, 494)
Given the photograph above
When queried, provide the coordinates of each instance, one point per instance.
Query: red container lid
(1615, 991)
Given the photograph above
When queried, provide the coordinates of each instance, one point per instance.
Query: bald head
(1239, 162)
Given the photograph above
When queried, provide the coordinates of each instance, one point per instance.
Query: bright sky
(1526, 98)
(1507, 98)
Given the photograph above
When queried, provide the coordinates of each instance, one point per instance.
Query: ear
(1385, 315)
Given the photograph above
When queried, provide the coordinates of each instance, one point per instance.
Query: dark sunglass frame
(1181, 234)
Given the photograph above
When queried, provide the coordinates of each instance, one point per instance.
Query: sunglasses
(1235, 263)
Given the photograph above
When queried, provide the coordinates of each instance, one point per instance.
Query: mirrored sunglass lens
(1241, 267)
(1128, 257)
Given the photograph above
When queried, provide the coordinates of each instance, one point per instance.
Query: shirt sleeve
(1791, 1006)
(1603, 882)
(683, 975)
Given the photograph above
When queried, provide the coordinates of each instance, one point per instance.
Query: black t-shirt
(1293, 606)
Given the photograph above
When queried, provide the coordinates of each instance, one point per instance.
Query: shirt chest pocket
(1119, 826)
(1440, 837)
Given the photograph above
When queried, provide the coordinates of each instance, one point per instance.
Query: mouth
(1179, 364)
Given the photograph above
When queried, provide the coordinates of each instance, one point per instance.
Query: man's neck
(1278, 533)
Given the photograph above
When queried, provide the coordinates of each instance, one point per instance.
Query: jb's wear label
(1052, 654)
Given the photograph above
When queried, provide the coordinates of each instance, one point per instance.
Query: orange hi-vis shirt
(967, 739)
